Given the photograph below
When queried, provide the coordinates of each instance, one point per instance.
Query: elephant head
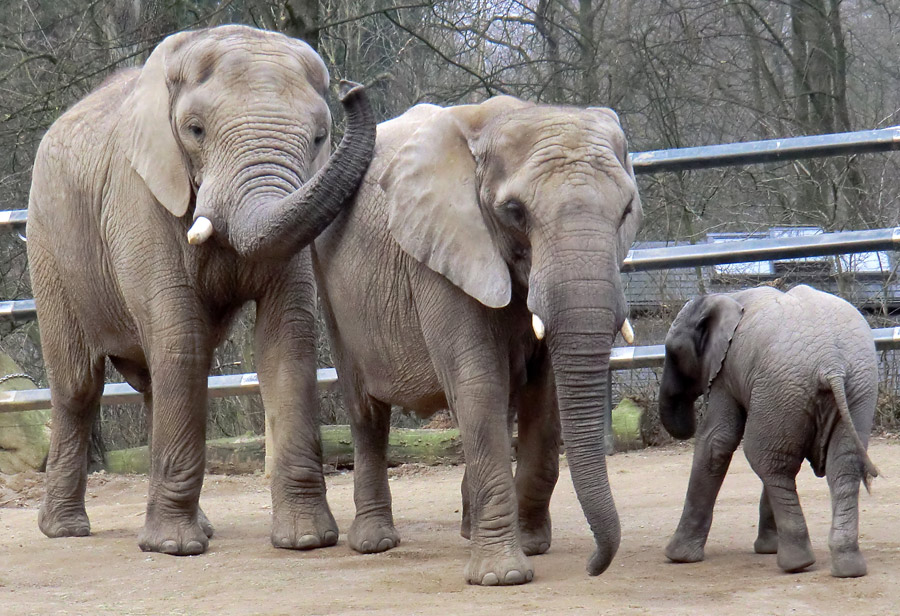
(233, 121)
(696, 346)
(513, 201)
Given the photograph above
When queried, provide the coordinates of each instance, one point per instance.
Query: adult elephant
(228, 128)
(471, 220)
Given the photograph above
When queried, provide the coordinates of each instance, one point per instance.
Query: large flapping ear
(432, 195)
(629, 228)
(146, 132)
(718, 319)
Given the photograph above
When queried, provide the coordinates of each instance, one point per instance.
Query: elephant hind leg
(373, 529)
(842, 468)
(767, 538)
(76, 383)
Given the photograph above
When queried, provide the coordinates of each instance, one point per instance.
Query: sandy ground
(242, 574)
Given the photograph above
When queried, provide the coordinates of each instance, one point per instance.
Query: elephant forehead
(263, 62)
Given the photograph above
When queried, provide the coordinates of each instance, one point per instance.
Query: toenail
(490, 579)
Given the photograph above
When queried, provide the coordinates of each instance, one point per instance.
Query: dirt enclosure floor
(242, 574)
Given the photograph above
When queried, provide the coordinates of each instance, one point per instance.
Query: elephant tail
(836, 383)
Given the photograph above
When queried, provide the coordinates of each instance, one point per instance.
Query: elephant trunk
(582, 312)
(278, 228)
(676, 407)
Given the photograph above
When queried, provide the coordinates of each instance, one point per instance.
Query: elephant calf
(796, 373)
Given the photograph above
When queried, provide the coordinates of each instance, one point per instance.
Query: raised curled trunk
(582, 305)
(278, 228)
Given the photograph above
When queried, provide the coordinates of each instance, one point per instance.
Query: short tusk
(627, 332)
(538, 327)
(201, 231)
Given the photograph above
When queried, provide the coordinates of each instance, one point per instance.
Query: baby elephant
(796, 373)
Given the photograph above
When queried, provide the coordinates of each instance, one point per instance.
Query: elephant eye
(320, 139)
(196, 130)
(514, 213)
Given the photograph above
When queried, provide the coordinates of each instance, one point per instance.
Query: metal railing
(623, 358)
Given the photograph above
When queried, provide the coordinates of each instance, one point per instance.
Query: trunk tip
(601, 559)
(349, 89)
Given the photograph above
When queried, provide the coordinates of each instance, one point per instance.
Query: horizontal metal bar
(771, 150)
(13, 218)
(743, 251)
(629, 358)
(746, 251)
(621, 358)
(18, 310)
(122, 393)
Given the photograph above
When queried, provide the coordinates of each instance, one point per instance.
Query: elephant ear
(719, 318)
(434, 212)
(146, 132)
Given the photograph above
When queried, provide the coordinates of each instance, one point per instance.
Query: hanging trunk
(580, 299)
(279, 228)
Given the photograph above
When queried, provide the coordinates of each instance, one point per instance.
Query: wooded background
(678, 72)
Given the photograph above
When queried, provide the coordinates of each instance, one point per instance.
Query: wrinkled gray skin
(226, 123)
(795, 374)
(469, 219)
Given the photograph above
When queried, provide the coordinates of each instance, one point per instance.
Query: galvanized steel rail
(122, 393)
(768, 151)
(622, 358)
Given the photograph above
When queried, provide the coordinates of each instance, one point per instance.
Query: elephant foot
(373, 534)
(682, 551)
(535, 537)
(205, 524)
(56, 521)
(766, 543)
(174, 537)
(848, 564)
(293, 531)
(794, 558)
(498, 570)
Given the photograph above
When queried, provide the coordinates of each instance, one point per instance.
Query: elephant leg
(179, 363)
(718, 436)
(76, 383)
(286, 352)
(465, 526)
(777, 464)
(480, 399)
(537, 459)
(843, 470)
(373, 527)
(767, 538)
(205, 524)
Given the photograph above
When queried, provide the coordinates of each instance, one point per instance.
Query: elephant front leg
(75, 403)
(177, 449)
(718, 436)
(497, 556)
(373, 527)
(285, 348)
(767, 537)
(537, 458)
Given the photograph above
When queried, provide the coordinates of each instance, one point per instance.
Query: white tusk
(201, 231)
(538, 326)
(627, 332)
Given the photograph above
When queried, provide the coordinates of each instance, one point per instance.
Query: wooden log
(247, 454)
(25, 435)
